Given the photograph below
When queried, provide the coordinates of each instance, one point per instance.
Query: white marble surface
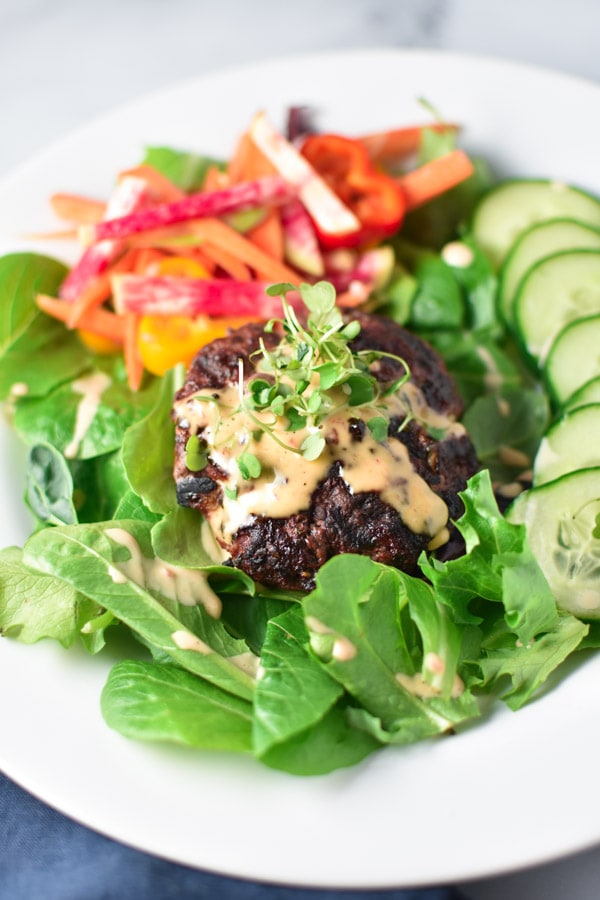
(63, 62)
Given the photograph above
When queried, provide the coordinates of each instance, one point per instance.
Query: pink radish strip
(130, 194)
(373, 267)
(300, 239)
(247, 195)
(176, 296)
(331, 215)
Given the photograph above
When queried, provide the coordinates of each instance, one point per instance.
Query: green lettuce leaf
(148, 449)
(293, 691)
(331, 743)
(498, 566)
(185, 169)
(34, 606)
(49, 486)
(354, 617)
(36, 352)
(438, 301)
(183, 537)
(55, 417)
(527, 665)
(151, 702)
(510, 419)
(172, 611)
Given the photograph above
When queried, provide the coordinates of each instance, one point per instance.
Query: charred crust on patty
(286, 552)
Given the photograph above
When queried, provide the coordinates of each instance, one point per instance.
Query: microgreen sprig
(313, 371)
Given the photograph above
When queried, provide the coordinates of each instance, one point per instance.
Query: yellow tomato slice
(97, 343)
(181, 267)
(165, 341)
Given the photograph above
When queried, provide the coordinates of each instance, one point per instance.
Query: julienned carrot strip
(226, 238)
(385, 147)
(76, 208)
(237, 160)
(99, 288)
(200, 255)
(248, 163)
(225, 260)
(267, 235)
(435, 177)
(163, 189)
(134, 365)
(356, 295)
(62, 235)
(98, 321)
(215, 179)
(144, 259)
(94, 294)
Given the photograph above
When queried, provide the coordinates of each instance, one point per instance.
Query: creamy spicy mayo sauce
(287, 479)
(91, 388)
(187, 586)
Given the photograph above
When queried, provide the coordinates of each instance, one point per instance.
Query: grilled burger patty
(287, 550)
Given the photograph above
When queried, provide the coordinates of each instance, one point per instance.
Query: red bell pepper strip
(374, 197)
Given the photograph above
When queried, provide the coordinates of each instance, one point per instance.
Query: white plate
(516, 789)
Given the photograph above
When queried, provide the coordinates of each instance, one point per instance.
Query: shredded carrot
(225, 260)
(200, 255)
(354, 296)
(144, 259)
(66, 235)
(97, 321)
(220, 235)
(99, 288)
(434, 178)
(163, 189)
(248, 163)
(386, 147)
(76, 208)
(215, 179)
(134, 365)
(94, 294)
(268, 235)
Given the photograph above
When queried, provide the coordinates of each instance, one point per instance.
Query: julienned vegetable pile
(372, 656)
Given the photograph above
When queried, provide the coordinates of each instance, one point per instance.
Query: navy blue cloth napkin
(46, 856)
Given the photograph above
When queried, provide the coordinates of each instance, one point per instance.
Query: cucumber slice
(587, 393)
(542, 239)
(556, 290)
(573, 359)
(571, 443)
(507, 210)
(560, 518)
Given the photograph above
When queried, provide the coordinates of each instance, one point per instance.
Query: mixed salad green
(305, 683)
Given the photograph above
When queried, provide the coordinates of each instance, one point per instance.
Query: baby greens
(371, 656)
